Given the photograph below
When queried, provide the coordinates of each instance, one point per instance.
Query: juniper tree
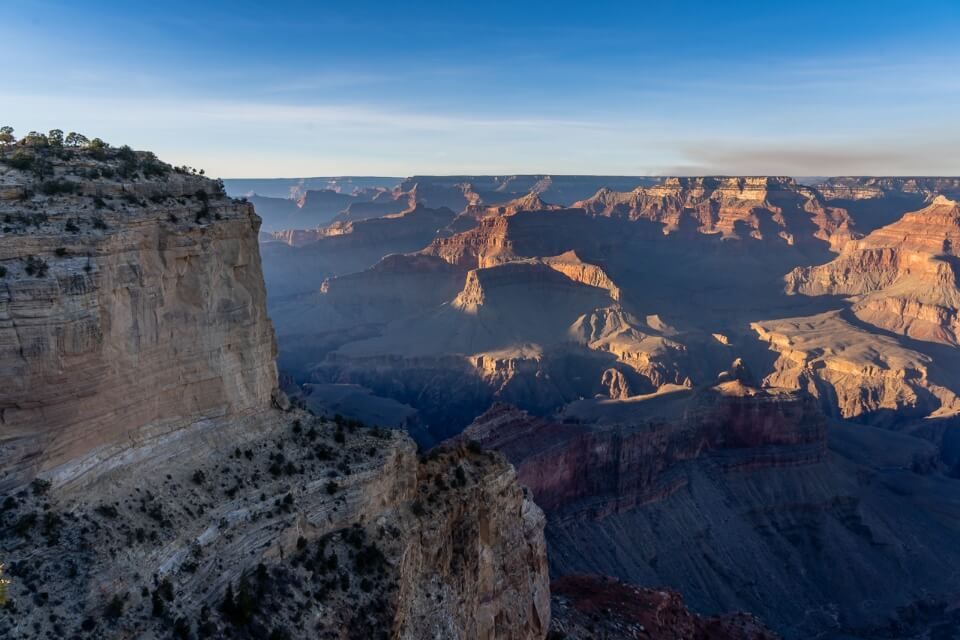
(55, 137)
(75, 139)
(6, 139)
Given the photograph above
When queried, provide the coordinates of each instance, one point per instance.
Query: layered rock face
(129, 311)
(877, 201)
(524, 234)
(690, 488)
(474, 212)
(168, 496)
(754, 207)
(298, 526)
(868, 188)
(732, 496)
(905, 274)
(645, 348)
(480, 557)
(805, 547)
(604, 459)
(476, 248)
(857, 374)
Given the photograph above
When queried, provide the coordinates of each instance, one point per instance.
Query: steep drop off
(155, 481)
(130, 310)
(743, 500)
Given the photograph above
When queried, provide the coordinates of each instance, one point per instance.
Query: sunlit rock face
(904, 274)
(734, 207)
(147, 317)
(857, 374)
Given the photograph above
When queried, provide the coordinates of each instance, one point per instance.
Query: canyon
(741, 388)
(475, 406)
(519, 321)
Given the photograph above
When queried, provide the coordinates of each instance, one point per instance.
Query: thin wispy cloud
(249, 89)
(193, 113)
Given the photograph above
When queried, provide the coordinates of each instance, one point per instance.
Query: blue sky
(256, 89)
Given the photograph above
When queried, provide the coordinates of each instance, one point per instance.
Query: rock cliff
(301, 526)
(857, 374)
(477, 211)
(156, 483)
(744, 207)
(905, 274)
(523, 234)
(868, 188)
(131, 309)
(744, 500)
(602, 459)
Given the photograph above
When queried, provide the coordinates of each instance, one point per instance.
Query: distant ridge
(296, 187)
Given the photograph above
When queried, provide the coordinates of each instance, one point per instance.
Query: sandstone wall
(134, 331)
(477, 567)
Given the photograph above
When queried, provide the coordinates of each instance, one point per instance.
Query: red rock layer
(590, 606)
(610, 468)
(905, 274)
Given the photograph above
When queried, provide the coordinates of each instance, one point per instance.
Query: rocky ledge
(589, 607)
(903, 276)
(316, 528)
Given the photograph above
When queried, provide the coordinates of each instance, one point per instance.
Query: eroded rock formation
(904, 274)
(608, 456)
(742, 207)
(856, 374)
(168, 495)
